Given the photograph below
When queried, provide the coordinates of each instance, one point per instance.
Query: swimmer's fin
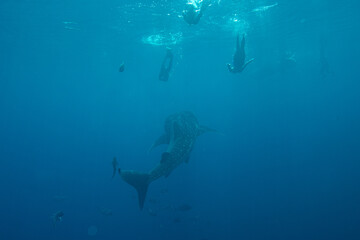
(247, 63)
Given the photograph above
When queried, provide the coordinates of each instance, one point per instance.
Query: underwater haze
(81, 103)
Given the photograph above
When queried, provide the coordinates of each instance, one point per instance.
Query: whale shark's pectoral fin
(163, 139)
(204, 129)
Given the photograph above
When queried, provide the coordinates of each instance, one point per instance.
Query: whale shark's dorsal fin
(163, 139)
(203, 129)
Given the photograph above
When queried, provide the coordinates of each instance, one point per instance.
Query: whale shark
(181, 132)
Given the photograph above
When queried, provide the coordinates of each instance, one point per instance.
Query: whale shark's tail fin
(140, 181)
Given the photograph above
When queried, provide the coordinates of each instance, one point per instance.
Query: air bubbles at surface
(163, 39)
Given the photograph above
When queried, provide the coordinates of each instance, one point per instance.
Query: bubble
(92, 230)
(163, 39)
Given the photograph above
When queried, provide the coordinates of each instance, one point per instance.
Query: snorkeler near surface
(192, 13)
(166, 66)
(239, 57)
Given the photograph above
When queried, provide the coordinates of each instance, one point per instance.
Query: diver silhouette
(239, 57)
(192, 13)
(166, 66)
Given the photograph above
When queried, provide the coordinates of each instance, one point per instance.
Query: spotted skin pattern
(181, 131)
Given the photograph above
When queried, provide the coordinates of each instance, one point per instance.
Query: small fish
(122, 67)
(106, 211)
(152, 212)
(184, 208)
(57, 217)
(114, 164)
(168, 207)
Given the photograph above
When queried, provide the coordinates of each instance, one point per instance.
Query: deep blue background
(284, 165)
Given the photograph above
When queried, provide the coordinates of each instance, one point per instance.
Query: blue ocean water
(283, 164)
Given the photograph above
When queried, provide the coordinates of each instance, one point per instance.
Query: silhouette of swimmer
(239, 57)
(166, 66)
(193, 13)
